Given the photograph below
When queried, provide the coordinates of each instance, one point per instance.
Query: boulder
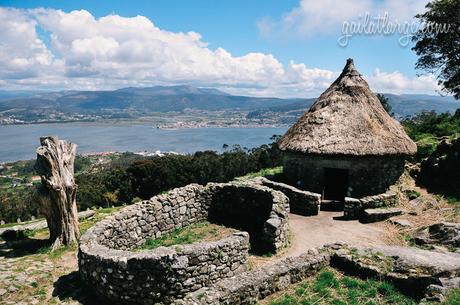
(423, 203)
(442, 233)
(379, 214)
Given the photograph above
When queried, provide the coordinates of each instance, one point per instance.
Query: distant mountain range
(134, 102)
(144, 100)
(402, 105)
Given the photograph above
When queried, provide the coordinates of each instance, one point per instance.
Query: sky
(283, 48)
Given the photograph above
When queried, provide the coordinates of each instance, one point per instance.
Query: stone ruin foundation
(110, 266)
(180, 274)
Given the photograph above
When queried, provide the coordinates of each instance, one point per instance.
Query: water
(18, 142)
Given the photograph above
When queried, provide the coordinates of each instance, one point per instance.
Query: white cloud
(396, 82)
(84, 52)
(312, 17)
(22, 54)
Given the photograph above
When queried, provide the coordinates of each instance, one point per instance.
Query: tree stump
(57, 193)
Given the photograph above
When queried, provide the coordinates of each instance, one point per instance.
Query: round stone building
(346, 144)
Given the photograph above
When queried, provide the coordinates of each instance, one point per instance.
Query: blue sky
(299, 35)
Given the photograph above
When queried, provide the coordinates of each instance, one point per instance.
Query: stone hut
(346, 144)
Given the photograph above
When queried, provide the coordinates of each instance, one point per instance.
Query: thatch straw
(348, 119)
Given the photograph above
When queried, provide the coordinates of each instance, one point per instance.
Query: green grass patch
(426, 145)
(202, 231)
(99, 215)
(266, 172)
(412, 194)
(330, 287)
(58, 253)
(453, 297)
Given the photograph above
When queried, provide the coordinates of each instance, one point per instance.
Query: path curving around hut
(309, 232)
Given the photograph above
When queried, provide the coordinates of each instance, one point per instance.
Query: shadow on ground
(22, 247)
(70, 286)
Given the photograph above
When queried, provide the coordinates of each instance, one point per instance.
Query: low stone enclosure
(108, 264)
(420, 274)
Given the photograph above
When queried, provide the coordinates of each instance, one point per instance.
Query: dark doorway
(335, 183)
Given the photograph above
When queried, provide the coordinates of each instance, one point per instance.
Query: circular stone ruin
(109, 265)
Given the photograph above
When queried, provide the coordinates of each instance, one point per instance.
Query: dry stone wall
(109, 265)
(256, 209)
(252, 286)
(163, 274)
(354, 208)
(300, 202)
(368, 175)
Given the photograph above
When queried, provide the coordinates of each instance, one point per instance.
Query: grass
(58, 253)
(99, 215)
(426, 144)
(412, 194)
(266, 172)
(202, 231)
(453, 297)
(330, 287)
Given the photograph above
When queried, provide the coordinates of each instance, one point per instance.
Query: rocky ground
(31, 274)
(31, 278)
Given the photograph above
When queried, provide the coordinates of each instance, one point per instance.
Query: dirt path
(315, 231)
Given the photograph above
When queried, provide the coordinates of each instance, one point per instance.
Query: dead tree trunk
(57, 192)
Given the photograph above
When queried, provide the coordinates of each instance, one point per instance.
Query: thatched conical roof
(347, 119)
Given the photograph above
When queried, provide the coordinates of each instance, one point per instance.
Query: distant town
(189, 118)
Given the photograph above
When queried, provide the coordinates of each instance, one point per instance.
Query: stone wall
(368, 175)
(110, 267)
(256, 209)
(354, 208)
(163, 274)
(300, 202)
(162, 214)
(252, 286)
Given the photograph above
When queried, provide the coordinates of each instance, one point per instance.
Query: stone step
(403, 223)
(379, 214)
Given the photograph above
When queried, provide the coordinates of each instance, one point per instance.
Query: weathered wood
(57, 192)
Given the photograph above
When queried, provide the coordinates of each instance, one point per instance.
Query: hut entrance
(335, 184)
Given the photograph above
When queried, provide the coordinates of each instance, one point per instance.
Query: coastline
(19, 142)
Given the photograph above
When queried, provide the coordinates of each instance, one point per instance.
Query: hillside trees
(439, 49)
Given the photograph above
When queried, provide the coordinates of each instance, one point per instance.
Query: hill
(405, 105)
(133, 103)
